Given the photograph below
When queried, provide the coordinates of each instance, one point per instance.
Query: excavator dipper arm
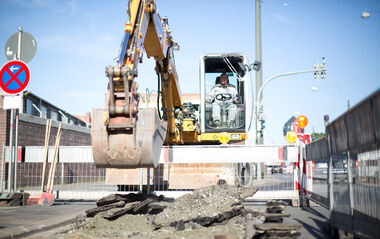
(124, 135)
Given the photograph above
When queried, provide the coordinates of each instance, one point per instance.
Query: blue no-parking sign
(14, 77)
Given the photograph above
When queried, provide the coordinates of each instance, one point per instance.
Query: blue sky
(77, 39)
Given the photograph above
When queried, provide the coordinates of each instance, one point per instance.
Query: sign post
(14, 78)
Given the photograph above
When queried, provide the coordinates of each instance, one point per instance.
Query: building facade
(32, 117)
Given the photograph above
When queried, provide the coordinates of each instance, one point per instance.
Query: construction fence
(181, 169)
(346, 169)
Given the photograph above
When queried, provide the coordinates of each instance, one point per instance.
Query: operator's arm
(211, 95)
(234, 94)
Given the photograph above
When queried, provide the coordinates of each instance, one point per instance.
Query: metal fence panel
(227, 154)
(355, 173)
(340, 184)
(367, 184)
(338, 134)
(376, 116)
(77, 177)
(73, 154)
(317, 150)
(360, 127)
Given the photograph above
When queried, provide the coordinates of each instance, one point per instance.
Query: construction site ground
(34, 221)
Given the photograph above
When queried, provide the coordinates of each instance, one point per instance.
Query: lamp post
(259, 110)
(258, 46)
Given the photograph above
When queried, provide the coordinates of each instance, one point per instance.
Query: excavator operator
(224, 95)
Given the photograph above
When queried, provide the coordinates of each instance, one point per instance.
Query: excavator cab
(224, 106)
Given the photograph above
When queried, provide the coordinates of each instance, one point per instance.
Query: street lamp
(260, 120)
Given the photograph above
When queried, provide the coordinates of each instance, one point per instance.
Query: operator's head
(224, 79)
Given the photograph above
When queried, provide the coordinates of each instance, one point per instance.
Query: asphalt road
(312, 219)
(23, 221)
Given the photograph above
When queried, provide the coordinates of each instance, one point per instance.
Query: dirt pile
(211, 212)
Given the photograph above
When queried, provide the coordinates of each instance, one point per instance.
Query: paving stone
(277, 226)
(93, 211)
(271, 203)
(114, 214)
(275, 217)
(275, 209)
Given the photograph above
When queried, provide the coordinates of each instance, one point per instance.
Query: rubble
(211, 212)
(275, 217)
(275, 206)
(204, 206)
(274, 211)
(93, 211)
(13, 199)
(273, 227)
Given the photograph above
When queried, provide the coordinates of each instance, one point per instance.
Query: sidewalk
(24, 221)
(312, 219)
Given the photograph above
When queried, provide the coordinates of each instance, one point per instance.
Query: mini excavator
(125, 135)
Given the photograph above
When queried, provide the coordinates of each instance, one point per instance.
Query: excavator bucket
(138, 147)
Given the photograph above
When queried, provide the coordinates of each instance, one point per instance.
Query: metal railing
(351, 152)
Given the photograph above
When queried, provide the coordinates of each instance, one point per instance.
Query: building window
(44, 111)
(29, 108)
(53, 115)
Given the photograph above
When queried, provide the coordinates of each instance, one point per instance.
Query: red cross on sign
(14, 77)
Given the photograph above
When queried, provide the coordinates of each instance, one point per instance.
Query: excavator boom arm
(124, 136)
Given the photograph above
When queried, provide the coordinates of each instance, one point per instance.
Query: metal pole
(148, 181)
(16, 153)
(301, 178)
(141, 179)
(350, 187)
(259, 73)
(2, 165)
(330, 173)
(10, 170)
(63, 173)
(19, 43)
(259, 81)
